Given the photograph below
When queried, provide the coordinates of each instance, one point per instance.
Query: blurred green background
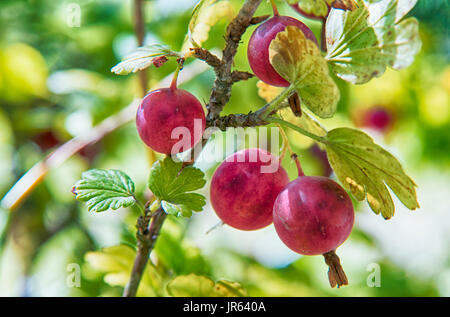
(56, 84)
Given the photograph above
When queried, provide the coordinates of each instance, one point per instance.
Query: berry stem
(274, 7)
(286, 145)
(336, 274)
(173, 84)
(297, 162)
(323, 37)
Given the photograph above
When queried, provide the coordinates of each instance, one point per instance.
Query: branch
(221, 91)
(146, 239)
(220, 95)
(238, 76)
(208, 57)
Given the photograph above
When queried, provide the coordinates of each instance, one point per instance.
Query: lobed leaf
(363, 42)
(142, 58)
(172, 184)
(365, 169)
(105, 189)
(299, 61)
(193, 285)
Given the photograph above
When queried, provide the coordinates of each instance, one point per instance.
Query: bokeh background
(56, 84)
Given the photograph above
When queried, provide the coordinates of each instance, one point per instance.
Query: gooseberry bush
(312, 215)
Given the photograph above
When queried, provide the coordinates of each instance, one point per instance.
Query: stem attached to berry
(173, 84)
(299, 166)
(336, 274)
(286, 145)
(274, 7)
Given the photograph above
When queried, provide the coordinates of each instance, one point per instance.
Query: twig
(238, 76)
(208, 57)
(146, 239)
(219, 97)
(258, 20)
(221, 91)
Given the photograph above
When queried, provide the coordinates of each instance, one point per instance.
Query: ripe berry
(378, 118)
(314, 215)
(258, 48)
(322, 158)
(242, 193)
(163, 110)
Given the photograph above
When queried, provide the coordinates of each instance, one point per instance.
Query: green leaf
(104, 189)
(177, 210)
(300, 62)
(205, 15)
(201, 286)
(363, 42)
(142, 58)
(172, 185)
(365, 169)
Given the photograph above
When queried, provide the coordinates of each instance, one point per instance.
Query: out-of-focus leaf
(365, 169)
(172, 185)
(363, 42)
(142, 58)
(268, 92)
(177, 253)
(205, 15)
(24, 73)
(116, 262)
(201, 286)
(299, 61)
(104, 189)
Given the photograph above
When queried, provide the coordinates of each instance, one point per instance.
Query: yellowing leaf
(318, 8)
(268, 92)
(115, 259)
(363, 42)
(205, 15)
(365, 169)
(24, 72)
(116, 262)
(193, 285)
(299, 61)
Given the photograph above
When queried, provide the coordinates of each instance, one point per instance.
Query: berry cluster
(312, 215)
